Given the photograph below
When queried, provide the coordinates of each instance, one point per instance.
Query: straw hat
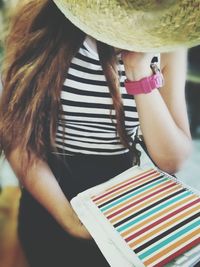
(137, 25)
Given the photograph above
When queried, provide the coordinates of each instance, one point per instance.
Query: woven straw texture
(137, 25)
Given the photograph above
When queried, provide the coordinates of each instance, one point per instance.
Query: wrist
(138, 73)
(144, 85)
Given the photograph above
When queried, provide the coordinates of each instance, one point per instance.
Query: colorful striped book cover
(155, 216)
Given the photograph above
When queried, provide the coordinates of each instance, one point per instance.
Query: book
(143, 217)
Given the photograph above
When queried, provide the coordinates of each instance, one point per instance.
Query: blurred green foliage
(1, 3)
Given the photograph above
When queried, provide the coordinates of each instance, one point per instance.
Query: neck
(92, 43)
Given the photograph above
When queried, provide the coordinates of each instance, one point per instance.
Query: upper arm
(174, 69)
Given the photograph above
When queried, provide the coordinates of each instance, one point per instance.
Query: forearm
(166, 142)
(163, 113)
(43, 186)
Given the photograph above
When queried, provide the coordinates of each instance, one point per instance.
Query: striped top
(89, 128)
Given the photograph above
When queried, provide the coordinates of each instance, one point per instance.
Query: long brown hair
(39, 48)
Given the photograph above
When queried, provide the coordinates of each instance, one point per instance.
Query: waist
(90, 145)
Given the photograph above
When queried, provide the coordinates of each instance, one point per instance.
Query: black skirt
(44, 242)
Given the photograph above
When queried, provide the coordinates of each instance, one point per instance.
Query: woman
(65, 126)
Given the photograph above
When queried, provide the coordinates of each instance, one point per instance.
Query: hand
(77, 229)
(137, 65)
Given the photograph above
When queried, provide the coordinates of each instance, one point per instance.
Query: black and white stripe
(86, 103)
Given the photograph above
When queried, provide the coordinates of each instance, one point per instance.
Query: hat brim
(175, 26)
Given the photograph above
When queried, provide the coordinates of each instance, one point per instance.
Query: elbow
(170, 166)
(175, 161)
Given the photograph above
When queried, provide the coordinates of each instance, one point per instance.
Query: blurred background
(11, 254)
